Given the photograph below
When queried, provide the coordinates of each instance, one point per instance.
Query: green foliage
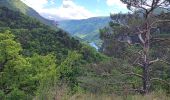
(87, 29)
(90, 54)
(131, 53)
(2, 95)
(17, 94)
(69, 69)
(30, 68)
(18, 5)
(23, 76)
(36, 37)
(9, 49)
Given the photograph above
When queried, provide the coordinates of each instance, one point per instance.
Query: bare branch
(140, 64)
(161, 80)
(159, 21)
(158, 60)
(136, 60)
(165, 62)
(136, 90)
(131, 73)
(141, 39)
(134, 74)
(163, 4)
(154, 61)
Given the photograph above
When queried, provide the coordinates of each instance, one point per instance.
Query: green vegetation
(18, 5)
(152, 96)
(38, 62)
(86, 29)
(129, 39)
(22, 76)
(36, 58)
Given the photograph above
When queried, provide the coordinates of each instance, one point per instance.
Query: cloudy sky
(76, 9)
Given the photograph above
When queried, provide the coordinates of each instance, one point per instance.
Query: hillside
(18, 5)
(33, 35)
(36, 37)
(33, 55)
(86, 29)
(41, 62)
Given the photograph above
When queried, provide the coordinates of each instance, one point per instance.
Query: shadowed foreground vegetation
(62, 94)
(152, 96)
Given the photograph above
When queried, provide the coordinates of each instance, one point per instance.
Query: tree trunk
(146, 79)
(146, 69)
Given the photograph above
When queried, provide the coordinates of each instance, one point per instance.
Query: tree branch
(159, 21)
(165, 62)
(153, 61)
(161, 80)
(136, 90)
(134, 74)
(141, 38)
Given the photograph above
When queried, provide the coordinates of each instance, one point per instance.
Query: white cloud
(115, 3)
(68, 9)
(38, 5)
(117, 6)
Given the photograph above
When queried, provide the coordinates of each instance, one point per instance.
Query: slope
(86, 29)
(18, 5)
(36, 37)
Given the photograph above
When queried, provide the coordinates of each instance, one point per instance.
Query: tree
(69, 69)
(9, 49)
(22, 77)
(150, 21)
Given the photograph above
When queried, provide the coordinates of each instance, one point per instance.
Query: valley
(125, 56)
(87, 30)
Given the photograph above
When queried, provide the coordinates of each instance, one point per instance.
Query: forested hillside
(88, 29)
(17, 5)
(85, 29)
(39, 61)
(31, 53)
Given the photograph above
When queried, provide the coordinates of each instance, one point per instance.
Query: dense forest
(31, 51)
(39, 61)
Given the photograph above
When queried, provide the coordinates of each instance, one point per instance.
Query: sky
(76, 9)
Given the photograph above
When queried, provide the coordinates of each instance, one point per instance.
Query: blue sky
(76, 9)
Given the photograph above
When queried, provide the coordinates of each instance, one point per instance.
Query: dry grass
(61, 93)
(152, 96)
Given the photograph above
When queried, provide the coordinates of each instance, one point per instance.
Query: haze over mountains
(85, 29)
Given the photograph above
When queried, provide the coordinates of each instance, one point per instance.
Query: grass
(62, 93)
(152, 96)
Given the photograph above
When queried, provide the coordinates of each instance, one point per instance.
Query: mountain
(18, 5)
(35, 56)
(36, 37)
(86, 29)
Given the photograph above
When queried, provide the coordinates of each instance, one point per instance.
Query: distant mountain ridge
(86, 29)
(18, 5)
